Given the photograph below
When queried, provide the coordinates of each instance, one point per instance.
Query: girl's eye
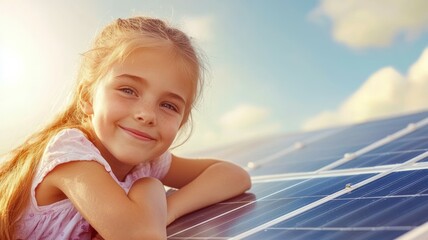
(128, 91)
(170, 106)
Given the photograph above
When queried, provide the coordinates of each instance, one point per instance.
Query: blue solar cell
(318, 234)
(393, 184)
(421, 133)
(298, 165)
(319, 186)
(369, 160)
(395, 202)
(327, 150)
(397, 151)
(401, 145)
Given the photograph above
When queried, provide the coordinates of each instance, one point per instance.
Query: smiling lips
(138, 134)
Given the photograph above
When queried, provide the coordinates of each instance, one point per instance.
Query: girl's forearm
(217, 183)
(148, 194)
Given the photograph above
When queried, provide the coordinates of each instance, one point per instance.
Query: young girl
(100, 167)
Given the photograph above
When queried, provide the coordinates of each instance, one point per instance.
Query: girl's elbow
(242, 178)
(245, 180)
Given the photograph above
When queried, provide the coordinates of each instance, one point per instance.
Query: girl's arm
(202, 182)
(140, 214)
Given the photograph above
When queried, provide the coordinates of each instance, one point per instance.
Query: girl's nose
(146, 114)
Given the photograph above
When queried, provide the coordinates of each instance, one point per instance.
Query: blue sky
(274, 66)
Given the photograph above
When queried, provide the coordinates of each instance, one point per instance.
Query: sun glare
(11, 66)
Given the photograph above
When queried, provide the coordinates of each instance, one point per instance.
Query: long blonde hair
(113, 44)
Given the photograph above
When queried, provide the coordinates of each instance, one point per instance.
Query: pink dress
(61, 220)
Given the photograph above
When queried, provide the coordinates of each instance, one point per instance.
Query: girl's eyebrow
(143, 80)
(133, 77)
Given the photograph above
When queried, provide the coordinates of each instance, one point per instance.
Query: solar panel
(383, 209)
(364, 181)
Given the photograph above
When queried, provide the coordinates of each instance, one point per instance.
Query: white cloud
(384, 93)
(199, 28)
(245, 122)
(368, 23)
(243, 116)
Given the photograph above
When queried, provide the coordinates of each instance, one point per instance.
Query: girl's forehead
(158, 65)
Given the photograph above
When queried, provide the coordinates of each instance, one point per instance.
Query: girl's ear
(87, 108)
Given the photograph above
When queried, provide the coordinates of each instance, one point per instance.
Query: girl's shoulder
(66, 146)
(70, 140)
(71, 144)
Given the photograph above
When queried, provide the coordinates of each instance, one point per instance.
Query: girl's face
(139, 106)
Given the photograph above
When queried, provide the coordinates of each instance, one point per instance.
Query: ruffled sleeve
(67, 146)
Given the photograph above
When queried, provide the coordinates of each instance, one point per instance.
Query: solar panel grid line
(350, 156)
(292, 148)
(336, 172)
(393, 228)
(201, 238)
(235, 209)
(419, 165)
(332, 173)
(329, 197)
(391, 152)
(385, 197)
(376, 169)
(255, 164)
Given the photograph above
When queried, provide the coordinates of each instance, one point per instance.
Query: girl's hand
(210, 180)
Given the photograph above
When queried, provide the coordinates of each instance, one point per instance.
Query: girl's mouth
(138, 134)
